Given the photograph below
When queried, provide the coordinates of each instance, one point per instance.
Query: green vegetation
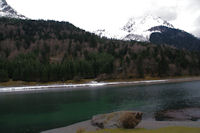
(161, 130)
(49, 51)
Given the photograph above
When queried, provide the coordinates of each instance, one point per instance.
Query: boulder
(121, 119)
(186, 114)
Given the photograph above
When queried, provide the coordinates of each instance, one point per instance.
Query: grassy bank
(161, 130)
(24, 83)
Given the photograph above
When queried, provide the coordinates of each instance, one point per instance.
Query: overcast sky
(93, 14)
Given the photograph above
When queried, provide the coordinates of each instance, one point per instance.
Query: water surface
(32, 112)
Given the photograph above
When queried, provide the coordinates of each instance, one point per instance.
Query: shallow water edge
(90, 84)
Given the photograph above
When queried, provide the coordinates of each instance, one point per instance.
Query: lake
(32, 112)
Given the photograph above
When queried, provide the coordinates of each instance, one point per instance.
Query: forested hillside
(58, 51)
(174, 37)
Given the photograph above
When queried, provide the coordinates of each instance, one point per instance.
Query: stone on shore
(186, 114)
(121, 119)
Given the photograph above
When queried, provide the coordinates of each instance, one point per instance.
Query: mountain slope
(43, 51)
(7, 11)
(174, 37)
(155, 30)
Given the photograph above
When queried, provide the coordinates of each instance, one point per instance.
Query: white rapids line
(90, 84)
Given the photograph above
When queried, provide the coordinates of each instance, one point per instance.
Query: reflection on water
(33, 112)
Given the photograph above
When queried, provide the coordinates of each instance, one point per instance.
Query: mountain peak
(136, 28)
(7, 11)
(142, 24)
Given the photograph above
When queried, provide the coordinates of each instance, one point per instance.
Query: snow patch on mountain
(135, 29)
(7, 11)
(111, 33)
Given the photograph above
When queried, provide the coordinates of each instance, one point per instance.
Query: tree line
(45, 51)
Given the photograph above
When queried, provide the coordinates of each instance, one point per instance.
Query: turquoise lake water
(33, 112)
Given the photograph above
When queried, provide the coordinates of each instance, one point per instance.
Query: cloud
(194, 4)
(91, 14)
(197, 27)
(167, 13)
(197, 21)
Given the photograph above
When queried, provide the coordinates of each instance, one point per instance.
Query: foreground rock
(121, 119)
(186, 114)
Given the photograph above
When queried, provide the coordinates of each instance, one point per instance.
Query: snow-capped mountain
(135, 29)
(7, 11)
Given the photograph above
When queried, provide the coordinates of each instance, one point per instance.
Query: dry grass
(81, 130)
(23, 83)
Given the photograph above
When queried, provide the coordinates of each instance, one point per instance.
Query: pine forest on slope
(44, 51)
